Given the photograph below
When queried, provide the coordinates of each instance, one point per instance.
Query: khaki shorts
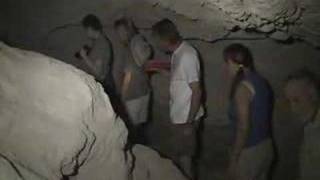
(255, 162)
(184, 139)
(138, 109)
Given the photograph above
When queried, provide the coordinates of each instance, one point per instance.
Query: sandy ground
(215, 145)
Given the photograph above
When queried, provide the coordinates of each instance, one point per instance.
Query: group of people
(250, 100)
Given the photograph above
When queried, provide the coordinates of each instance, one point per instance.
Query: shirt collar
(179, 48)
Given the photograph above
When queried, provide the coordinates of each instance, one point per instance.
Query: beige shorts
(255, 162)
(138, 109)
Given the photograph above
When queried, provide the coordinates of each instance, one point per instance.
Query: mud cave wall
(282, 34)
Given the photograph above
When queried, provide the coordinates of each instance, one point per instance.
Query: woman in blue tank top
(250, 113)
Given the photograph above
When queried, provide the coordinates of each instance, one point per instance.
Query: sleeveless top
(260, 110)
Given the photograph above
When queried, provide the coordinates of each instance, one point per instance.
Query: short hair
(127, 23)
(309, 78)
(92, 21)
(166, 30)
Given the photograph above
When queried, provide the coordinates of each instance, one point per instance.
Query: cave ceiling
(278, 19)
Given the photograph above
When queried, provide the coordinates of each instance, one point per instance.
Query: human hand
(83, 53)
(156, 65)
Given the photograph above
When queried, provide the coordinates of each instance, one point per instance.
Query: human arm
(95, 66)
(98, 60)
(191, 69)
(195, 100)
(125, 83)
(242, 101)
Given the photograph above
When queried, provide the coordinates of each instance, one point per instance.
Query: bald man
(302, 91)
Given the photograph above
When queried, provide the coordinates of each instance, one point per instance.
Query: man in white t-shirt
(185, 92)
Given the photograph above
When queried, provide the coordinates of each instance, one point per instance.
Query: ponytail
(235, 82)
(241, 55)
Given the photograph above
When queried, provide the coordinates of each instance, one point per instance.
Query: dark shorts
(184, 139)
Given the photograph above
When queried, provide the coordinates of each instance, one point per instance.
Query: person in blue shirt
(250, 114)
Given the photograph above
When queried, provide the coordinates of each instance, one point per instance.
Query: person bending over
(98, 56)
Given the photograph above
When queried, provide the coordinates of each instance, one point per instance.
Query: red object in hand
(156, 65)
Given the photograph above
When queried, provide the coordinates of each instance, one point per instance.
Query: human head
(166, 35)
(238, 57)
(125, 29)
(302, 91)
(92, 25)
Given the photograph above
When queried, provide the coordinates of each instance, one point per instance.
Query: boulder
(56, 122)
(149, 165)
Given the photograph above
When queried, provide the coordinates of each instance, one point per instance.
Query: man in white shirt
(185, 92)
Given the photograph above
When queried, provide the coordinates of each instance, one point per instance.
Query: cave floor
(212, 162)
(213, 159)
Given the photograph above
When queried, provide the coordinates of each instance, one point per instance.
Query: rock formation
(150, 166)
(56, 122)
(280, 19)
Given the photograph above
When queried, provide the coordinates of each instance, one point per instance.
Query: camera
(86, 48)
